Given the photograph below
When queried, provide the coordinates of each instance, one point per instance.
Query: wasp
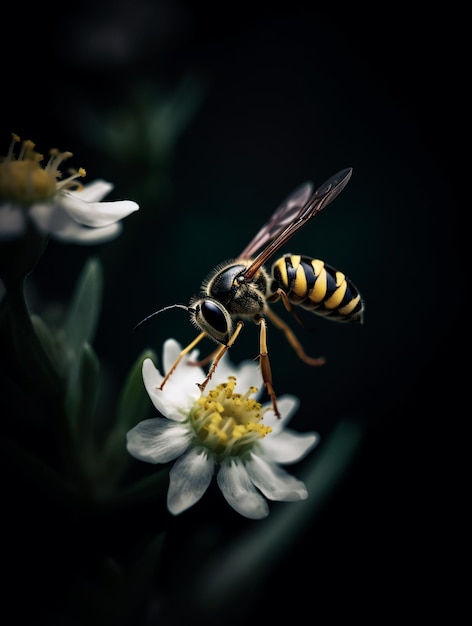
(242, 288)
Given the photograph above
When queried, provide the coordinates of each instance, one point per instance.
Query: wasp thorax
(239, 297)
(223, 284)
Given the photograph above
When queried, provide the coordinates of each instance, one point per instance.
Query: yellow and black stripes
(318, 287)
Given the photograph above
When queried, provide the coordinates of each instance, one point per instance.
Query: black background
(287, 96)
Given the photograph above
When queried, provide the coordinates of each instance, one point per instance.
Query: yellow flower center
(228, 423)
(24, 181)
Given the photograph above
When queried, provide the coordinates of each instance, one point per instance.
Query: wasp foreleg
(219, 354)
(180, 357)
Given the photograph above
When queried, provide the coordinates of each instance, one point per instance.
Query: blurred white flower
(63, 209)
(220, 430)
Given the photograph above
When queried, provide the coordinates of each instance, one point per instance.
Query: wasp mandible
(242, 288)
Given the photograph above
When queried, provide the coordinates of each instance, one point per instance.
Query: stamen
(24, 181)
(66, 183)
(14, 141)
(56, 158)
(227, 422)
(26, 147)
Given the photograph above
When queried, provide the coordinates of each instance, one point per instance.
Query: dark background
(284, 96)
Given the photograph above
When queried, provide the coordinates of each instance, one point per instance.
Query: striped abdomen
(318, 287)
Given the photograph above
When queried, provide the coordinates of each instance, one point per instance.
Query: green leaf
(32, 356)
(82, 390)
(134, 404)
(84, 310)
(45, 337)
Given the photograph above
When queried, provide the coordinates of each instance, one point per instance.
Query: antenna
(166, 308)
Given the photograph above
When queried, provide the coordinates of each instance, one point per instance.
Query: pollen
(24, 181)
(228, 423)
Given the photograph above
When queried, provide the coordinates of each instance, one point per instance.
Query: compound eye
(214, 316)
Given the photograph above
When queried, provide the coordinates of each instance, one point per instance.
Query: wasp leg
(179, 358)
(206, 360)
(219, 353)
(290, 335)
(289, 307)
(264, 364)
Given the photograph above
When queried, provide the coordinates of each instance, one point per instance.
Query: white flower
(219, 430)
(63, 209)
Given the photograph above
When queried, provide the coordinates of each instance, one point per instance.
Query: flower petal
(51, 219)
(176, 399)
(158, 440)
(171, 352)
(75, 233)
(288, 405)
(186, 376)
(289, 446)
(12, 221)
(189, 479)
(48, 216)
(96, 214)
(239, 491)
(248, 373)
(274, 482)
(151, 375)
(94, 191)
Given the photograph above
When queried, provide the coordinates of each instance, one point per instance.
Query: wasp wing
(294, 217)
(280, 219)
